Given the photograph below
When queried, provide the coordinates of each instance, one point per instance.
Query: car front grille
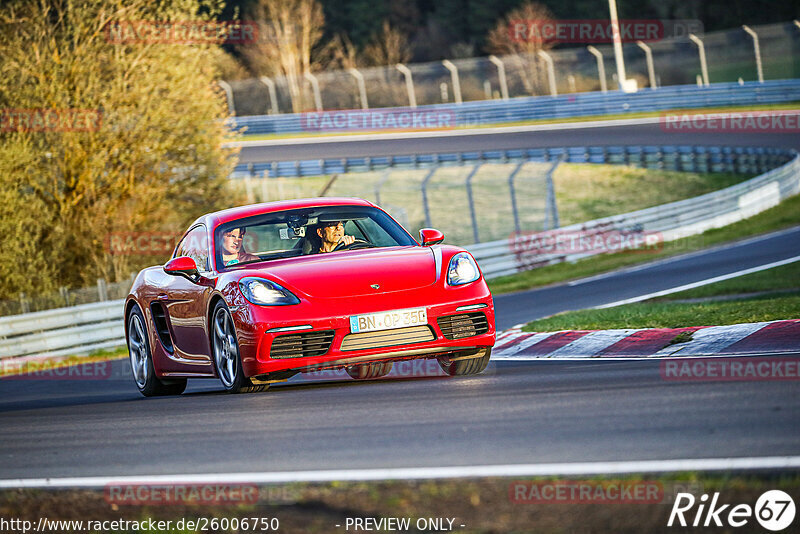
(388, 338)
(463, 325)
(301, 345)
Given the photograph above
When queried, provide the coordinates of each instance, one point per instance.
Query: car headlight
(266, 293)
(462, 270)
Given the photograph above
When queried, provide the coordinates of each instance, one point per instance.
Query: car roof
(213, 220)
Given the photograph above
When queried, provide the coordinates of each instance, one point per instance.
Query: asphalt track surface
(526, 412)
(516, 412)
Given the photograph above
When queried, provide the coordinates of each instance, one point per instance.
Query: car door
(185, 302)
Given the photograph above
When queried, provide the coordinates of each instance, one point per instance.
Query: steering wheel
(358, 243)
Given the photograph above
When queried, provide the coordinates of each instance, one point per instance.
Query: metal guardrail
(485, 112)
(88, 327)
(671, 157)
(63, 331)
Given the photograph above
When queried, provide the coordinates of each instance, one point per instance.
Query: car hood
(352, 273)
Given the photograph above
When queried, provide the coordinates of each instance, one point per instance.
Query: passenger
(233, 251)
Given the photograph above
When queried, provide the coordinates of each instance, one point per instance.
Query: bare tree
(340, 54)
(389, 47)
(289, 31)
(523, 48)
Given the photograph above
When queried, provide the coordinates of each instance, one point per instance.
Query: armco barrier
(99, 325)
(485, 112)
(63, 331)
(745, 160)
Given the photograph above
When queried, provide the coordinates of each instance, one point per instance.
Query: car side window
(195, 245)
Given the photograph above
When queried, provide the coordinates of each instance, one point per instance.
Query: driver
(331, 235)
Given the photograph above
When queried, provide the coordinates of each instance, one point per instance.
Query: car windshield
(302, 232)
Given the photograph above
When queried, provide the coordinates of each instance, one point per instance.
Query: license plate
(387, 320)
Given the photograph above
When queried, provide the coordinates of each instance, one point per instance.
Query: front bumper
(333, 314)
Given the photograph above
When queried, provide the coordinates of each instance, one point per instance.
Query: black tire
(141, 360)
(225, 353)
(369, 370)
(467, 366)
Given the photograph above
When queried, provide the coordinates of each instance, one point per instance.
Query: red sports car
(256, 294)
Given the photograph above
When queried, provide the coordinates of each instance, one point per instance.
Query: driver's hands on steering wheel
(352, 243)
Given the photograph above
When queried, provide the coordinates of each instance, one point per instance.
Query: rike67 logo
(774, 510)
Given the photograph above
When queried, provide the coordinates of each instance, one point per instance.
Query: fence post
(616, 36)
(273, 95)
(412, 99)
(315, 88)
(501, 74)
(513, 193)
(601, 68)
(449, 65)
(701, 50)
(64, 295)
(551, 72)
(425, 196)
(757, 50)
(362, 88)
(551, 206)
(472, 214)
(651, 71)
(102, 289)
(248, 184)
(378, 187)
(228, 95)
(24, 304)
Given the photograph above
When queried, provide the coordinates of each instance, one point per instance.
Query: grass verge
(674, 314)
(486, 505)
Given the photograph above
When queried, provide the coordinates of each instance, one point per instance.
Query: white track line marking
(700, 283)
(422, 473)
(713, 339)
(445, 133)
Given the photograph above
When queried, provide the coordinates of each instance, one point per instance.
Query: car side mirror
(181, 266)
(430, 236)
